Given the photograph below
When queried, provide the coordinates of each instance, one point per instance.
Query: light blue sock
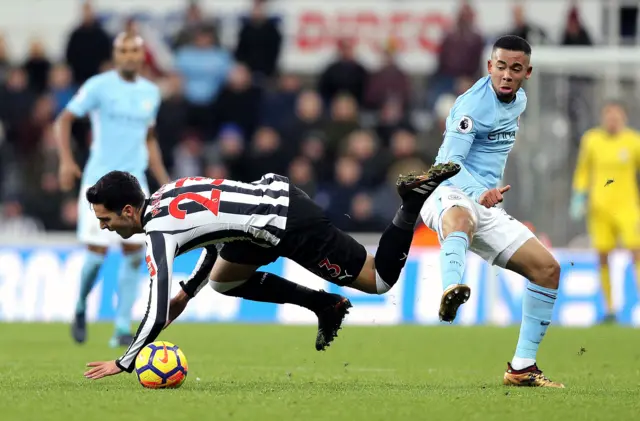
(88, 275)
(453, 256)
(128, 278)
(537, 310)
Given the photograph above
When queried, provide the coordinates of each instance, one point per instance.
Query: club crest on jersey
(465, 125)
(623, 155)
(147, 105)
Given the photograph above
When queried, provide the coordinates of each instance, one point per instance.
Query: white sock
(519, 363)
(381, 285)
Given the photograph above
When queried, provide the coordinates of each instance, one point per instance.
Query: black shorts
(310, 240)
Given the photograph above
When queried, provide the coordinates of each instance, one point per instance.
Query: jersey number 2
(213, 203)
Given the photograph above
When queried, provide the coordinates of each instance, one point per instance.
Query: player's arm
(200, 275)
(636, 155)
(156, 164)
(581, 175)
(63, 135)
(581, 179)
(455, 148)
(198, 279)
(161, 251)
(85, 100)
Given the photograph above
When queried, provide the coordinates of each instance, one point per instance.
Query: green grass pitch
(261, 373)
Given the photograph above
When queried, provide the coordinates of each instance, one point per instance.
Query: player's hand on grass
(177, 306)
(492, 197)
(102, 369)
(68, 172)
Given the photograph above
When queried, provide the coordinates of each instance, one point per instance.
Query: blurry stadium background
(341, 96)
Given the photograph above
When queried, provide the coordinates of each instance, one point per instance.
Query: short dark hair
(512, 43)
(115, 190)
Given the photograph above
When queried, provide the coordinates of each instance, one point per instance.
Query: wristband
(184, 288)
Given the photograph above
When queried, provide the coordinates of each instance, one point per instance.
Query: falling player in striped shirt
(255, 224)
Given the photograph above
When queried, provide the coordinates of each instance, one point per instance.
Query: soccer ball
(161, 365)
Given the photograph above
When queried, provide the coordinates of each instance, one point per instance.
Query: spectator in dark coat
(345, 75)
(259, 42)
(239, 102)
(88, 48)
(37, 67)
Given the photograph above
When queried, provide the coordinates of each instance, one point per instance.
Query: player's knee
(97, 249)
(225, 287)
(603, 258)
(549, 274)
(458, 219)
(131, 248)
(370, 283)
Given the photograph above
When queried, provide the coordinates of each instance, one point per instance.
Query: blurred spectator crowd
(343, 136)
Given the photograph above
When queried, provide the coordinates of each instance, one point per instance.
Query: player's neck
(139, 218)
(128, 77)
(614, 133)
(504, 100)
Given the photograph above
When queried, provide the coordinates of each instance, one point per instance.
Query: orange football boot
(531, 376)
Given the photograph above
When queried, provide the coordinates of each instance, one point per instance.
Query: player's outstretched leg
(330, 309)
(88, 275)
(605, 281)
(458, 228)
(128, 278)
(414, 189)
(534, 262)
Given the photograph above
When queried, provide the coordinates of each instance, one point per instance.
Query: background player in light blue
(481, 130)
(122, 107)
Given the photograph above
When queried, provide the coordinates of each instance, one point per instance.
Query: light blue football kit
(121, 113)
(480, 133)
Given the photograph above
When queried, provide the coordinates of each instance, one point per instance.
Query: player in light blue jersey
(481, 130)
(122, 107)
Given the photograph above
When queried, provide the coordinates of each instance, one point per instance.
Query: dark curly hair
(115, 190)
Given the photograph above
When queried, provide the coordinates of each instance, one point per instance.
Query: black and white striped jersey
(198, 212)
